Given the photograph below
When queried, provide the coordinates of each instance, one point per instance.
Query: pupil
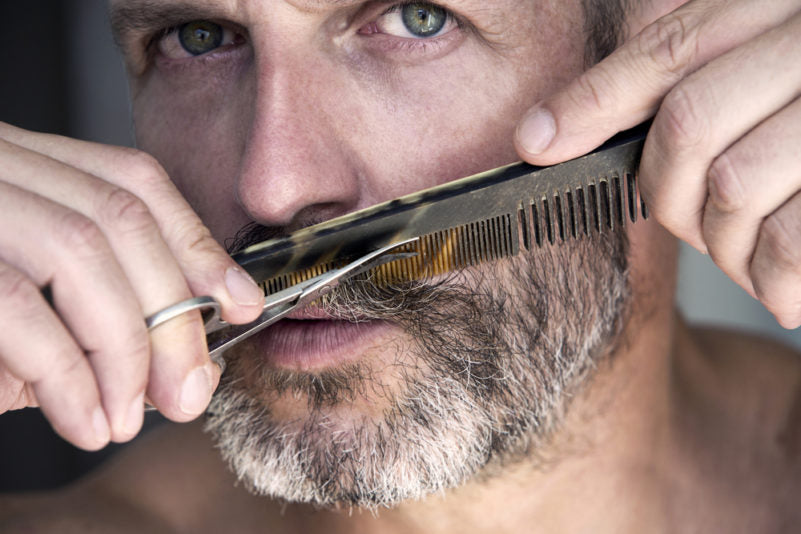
(200, 37)
(423, 20)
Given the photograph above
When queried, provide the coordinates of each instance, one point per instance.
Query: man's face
(290, 112)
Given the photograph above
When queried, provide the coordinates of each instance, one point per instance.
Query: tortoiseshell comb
(469, 221)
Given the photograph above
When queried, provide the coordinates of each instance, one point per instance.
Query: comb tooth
(447, 251)
(438, 265)
(473, 241)
(498, 232)
(490, 240)
(523, 226)
(643, 207)
(444, 252)
(500, 246)
(546, 212)
(471, 244)
(458, 236)
(559, 212)
(536, 222)
(478, 246)
(511, 245)
(617, 197)
(458, 246)
(465, 240)
(595, 207)
(571, 214)
(631, 190)
(606, 208)
(582, 208)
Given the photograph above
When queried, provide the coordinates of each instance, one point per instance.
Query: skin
(634, 452)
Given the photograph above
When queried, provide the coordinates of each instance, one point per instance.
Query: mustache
(252, 234)
(357, 299)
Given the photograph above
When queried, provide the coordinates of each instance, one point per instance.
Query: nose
(300, 166)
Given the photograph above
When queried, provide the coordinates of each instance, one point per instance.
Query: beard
(481, 376)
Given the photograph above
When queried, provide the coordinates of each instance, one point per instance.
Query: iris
(423, 20)
(200, 37)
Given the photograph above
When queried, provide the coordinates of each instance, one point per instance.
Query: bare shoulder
(102, 502)
(171, 480)
(72, 511)
(743, 419)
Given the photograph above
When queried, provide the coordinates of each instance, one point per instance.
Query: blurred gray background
(61, 73)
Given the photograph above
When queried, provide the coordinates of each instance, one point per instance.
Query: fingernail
(135, 416)
(196, 391)
(242, 288)
(100, 426)
(537, 131)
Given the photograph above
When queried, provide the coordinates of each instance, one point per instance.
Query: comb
(462, 223)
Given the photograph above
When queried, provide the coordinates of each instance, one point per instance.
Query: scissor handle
(211, 317)
(208, 304)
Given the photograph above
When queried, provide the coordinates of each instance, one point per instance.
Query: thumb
(582, 116)
(627, 87)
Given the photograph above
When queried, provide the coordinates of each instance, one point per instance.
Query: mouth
(312, 340)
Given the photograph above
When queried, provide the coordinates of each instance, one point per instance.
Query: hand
(721, 167)
(106, 230)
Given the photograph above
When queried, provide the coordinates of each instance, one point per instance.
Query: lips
(312, 340)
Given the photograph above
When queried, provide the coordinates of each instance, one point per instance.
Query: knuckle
(194, 238)
(125, 211)
(681, 125)
(142, 167)
(782, 242)
(80, 235)
(671, 42)
(138, 350)
(17, 291)
(593, 91)
(70, 365)
(727, 190)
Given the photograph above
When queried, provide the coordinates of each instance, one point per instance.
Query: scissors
(221, 335)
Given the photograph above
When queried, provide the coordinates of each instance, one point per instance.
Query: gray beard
(488, 365)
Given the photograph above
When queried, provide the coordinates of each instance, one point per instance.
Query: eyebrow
(133, 17)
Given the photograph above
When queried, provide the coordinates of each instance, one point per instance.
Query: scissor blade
(281, 304)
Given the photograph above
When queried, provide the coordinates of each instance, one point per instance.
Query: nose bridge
(296, 161)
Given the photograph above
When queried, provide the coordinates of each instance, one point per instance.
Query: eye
(196, 38)
(200, 37)
(417, 20)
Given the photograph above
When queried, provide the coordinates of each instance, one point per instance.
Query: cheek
(197, 128)
(434, 125)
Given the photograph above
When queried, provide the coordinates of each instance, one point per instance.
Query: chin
(442, 384)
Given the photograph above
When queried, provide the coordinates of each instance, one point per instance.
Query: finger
(15, 393)
(208, 268)
(178, 348)
(748, 183)
(776, 267)
(628, 86)
(51, 361)
(703, 116)
(60, 247)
